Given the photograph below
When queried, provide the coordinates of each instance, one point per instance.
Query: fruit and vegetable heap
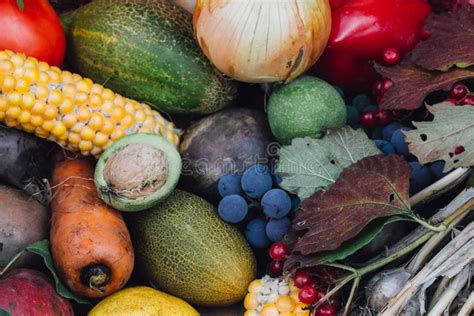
(238, 157)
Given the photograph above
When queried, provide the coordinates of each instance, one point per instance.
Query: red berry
(276, 267)
(382, 117)
(458, 91)
(424, 34)
(308, 294)
(386, 84)
(377, 87)
(326, 310)
(459, 150)
(367, 119)
(278, 251)
(469, 100)
(391, 56)
(451, 100)
(301, 279)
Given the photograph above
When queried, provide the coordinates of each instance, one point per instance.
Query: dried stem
(468, 307)
(439, 290)
(355, 285)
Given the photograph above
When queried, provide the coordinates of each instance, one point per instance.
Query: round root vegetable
(90, 243)
(22, 222)
(137, 172)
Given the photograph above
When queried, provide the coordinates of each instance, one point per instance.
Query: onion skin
(260, 41)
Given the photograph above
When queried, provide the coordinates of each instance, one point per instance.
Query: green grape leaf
(452, 127)
(309, 165)
(4, 312)
(373, 187)
(346, 249)
(42, 248)
(21, 4)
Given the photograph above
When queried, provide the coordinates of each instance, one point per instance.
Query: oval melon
(146, 50)
(185, 249)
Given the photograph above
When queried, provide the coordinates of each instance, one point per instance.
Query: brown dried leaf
(411, 84)
(374, 187)
(451, 41)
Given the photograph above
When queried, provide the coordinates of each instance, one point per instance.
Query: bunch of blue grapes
(257, 188)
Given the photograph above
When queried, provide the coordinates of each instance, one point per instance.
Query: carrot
(90, 243)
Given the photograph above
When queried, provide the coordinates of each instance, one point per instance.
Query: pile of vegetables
(239, 157)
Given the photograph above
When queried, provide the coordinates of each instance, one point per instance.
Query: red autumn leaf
(451, 41)
(374, 187)
(411, 84)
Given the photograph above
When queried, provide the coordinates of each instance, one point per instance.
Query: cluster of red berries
(459, 94)
(312, 286)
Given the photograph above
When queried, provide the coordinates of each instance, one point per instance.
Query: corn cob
(273, 297)
(70, 110)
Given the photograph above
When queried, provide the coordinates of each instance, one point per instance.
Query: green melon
(185, 249)
(146, 50)
(305, 107)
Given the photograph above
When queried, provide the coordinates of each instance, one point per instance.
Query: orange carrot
(90, 242)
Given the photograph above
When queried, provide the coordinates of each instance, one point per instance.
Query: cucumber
(137, 172)
(146, 50)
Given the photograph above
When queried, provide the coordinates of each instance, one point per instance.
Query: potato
(23, 220)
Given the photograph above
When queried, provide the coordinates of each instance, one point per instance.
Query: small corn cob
(273, 297)
(70, 110)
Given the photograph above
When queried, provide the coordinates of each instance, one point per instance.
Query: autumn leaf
(442, 138)
(411, 84)
(374, 187)
(309, 165)
(451, 41)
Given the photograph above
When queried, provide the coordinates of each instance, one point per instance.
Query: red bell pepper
(364, 31)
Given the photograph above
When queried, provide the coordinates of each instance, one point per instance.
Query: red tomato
(35, 31)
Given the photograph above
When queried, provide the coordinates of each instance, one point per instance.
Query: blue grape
(233, 208)
(229, 184)
(389, 129)
(436, 169)
(275, 178)
(398, 141)
(420, 177)
(352, 115)
(370, 108)
(256, 181)
(276, 203)
(255, 233)
(277, 228)
(361, 101)
(295, 202)
(384, 146)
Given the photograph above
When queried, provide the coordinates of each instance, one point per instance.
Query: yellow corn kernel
(140, 116)
(13, 112)
(59, 129)
(31, 74)
(55, 97)
(27, 101)
(69, 120)
(25, 117)
(30, 62)
(41, 92)
(76, 78)
(69, 89)
(14, 98)
(42, 66)
(53, 76)
(22, 85)
(41, 132)
(74, 138)
(145, 129)
(3, 104)
(84, 114)
(6, 66)
(43, 77)
(255, 286)
(107, 107)
(95, 100)
(127, 121)
(55, 69)
(250, 301)
(287, 314)
(96, 151)
(87, 133)
(84, 85)
(2, 115)
(8, 83)
(100, 139)
(270, 310)
(11, 122)
(67, 105)
(36, 120)
(66, 76)
(50, 112)
(97, 89)
(119, 100)
(251, 313)
(117, 133)
(294, 295)
(97, 121)
(108, 94)
(18, 59)
(108, 127)
(85, 146)
(118, 113)
(48, 126)
(129, 107)
(285, 304)
(4, 55)
(301, 309)
(27, 127)
(81, 98)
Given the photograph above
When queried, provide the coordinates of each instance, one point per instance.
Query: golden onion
(261, 41)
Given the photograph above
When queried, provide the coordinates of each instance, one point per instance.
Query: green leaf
(346, 249)
(309, 165)
(4, 312)
(42, 248)
(452, 127)
(20, 4)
